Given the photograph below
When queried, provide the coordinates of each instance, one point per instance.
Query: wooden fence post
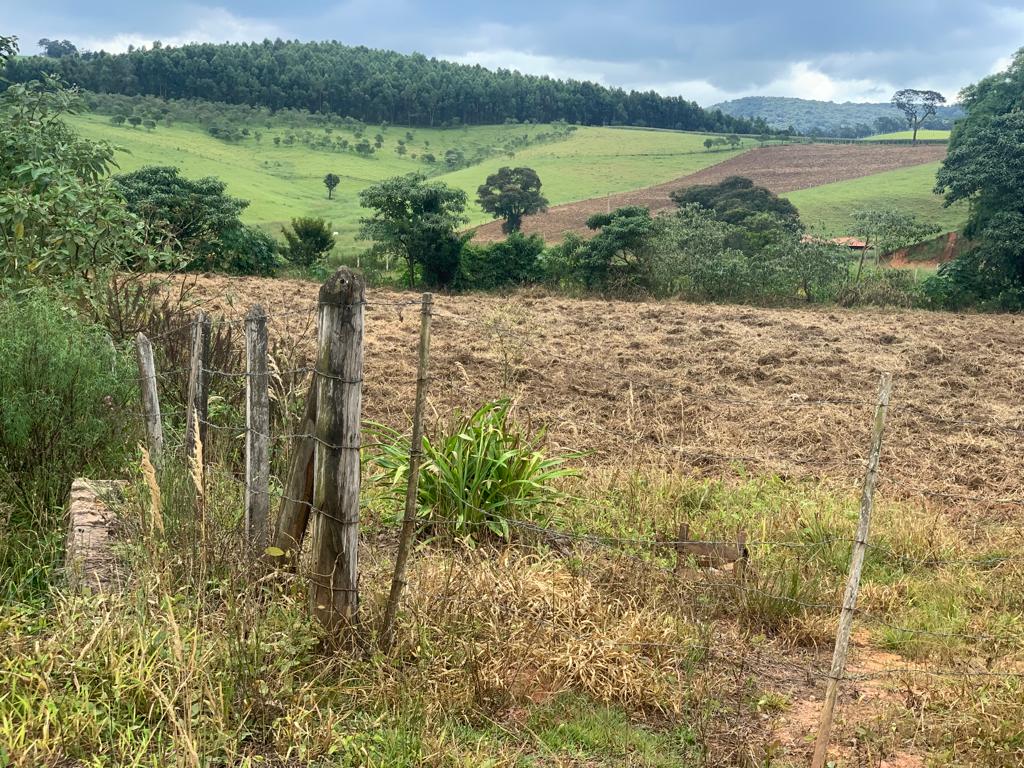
(150, 399)
(336, 468)
(198, 383)
(297, 499)
(853, 580)
(412, 487)
(257, 428)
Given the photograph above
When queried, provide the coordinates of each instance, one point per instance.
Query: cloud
(206, 25)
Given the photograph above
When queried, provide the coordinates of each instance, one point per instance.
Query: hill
(827, 118)
(370, 85)
(285, 180)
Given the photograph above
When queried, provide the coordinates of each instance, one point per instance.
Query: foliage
(917, 106)
(478, 479)
(984, 167)
(57, 49)
(331, 180)
(513, 261)
(372, 85)
(196, 218)
(415, 220)
(886, 231)
(63, 392)
(735, 199)
(58, 215)
(883, 288)
(510, 194)
(308, 241)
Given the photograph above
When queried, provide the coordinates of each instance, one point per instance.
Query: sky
(837, 50)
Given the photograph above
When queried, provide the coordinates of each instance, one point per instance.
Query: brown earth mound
(783, 168)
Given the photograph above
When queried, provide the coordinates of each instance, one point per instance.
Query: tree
(887, 231)
(56, 49)
(193, 217)
(734, 140)
(308, 241)
(135, 121)
(331, 180)
(454, 158)
(619, 257)
(917, 106)
(118, 120)
(415, 220)
(709, 143)
(736, 199)
(510, 194)
(149, 125)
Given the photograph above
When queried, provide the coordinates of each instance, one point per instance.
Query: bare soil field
(781, 169)
(700, 388)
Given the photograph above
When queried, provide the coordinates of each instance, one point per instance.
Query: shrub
(308, 241)
(514, 261)
(247, 250)
(884, 288)
(479, 478)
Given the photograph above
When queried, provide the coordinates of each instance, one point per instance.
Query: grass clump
(480, 477)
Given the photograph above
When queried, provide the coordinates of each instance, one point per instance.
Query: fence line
(664, 555)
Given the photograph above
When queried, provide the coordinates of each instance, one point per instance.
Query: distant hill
(827, 118)
(370, 85)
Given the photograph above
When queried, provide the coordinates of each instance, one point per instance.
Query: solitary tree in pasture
(135, 121)
(118, 120)
(331, 180)
(734, 140)
(917, 106)
(709, 143)
(149, 125)
(510, 194)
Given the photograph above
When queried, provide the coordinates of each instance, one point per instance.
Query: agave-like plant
(478, 479)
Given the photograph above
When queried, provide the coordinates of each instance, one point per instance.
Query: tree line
(371, 85)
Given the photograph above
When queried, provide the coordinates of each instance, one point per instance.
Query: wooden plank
(297, 499)
(198, 383)
(336, 470)
(257, 428)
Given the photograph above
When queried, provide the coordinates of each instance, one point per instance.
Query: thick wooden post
(412, 487)
(298, 490)
(335, 596)
(257, 428)
(853, 581)
(198, 383)
(150, 399)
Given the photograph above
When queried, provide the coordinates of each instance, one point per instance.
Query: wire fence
(729, 573)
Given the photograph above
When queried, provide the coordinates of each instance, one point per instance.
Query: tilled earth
(782, 168)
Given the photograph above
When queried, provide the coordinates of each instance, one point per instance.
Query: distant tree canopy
(372, 85)
(736, 199)
(510, 194)
(57, 49)
(917, 106)
(331, 180)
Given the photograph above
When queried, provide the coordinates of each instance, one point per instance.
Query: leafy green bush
(308, 241)
(63, 388)
(883, 288)
(479, 478)
(513, 261)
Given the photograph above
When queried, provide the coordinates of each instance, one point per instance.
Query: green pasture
(924, 133)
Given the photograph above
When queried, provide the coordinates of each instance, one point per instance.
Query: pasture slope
(782, 169)
(282, 182)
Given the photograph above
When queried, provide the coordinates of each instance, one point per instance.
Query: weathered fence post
(297, 499)
(257, 428)
(412, 488)
(150, 399)
(339, 380)
(198, 384)
(853, 580)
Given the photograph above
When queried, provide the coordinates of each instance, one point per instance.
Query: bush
(247, 251)
(479, 478)
(308, 241)
(514, 261)
(883, 288)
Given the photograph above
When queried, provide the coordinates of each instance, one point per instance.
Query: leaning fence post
(336, 469)
(297, 498)
(198, 384)
(412, 488)
(150, 399)
(257, 428)
(853, 581)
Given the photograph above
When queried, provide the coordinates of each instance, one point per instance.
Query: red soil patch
(781, 169)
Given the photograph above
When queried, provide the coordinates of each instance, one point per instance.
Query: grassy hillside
(827, 209)
(286, 181)
(924, 133)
